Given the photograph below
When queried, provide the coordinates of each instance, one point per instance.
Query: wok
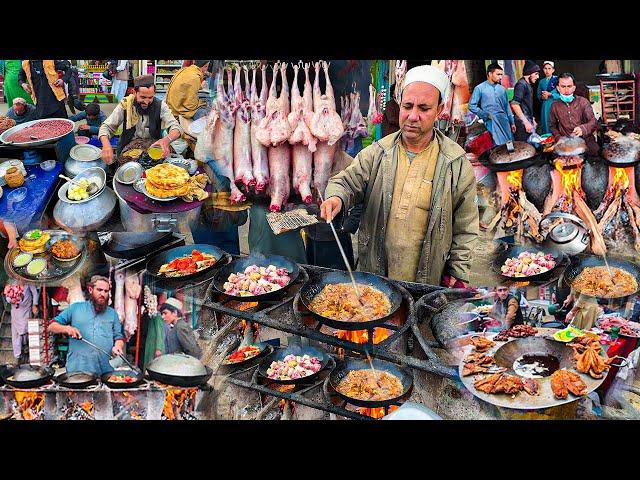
(239, 264)
(293, 350)
(509, 251)
(130, 245)
(579, 263)
(623, 153)
(27, 376)
(154, 264)
(348, 364)
(139, 378)
(77, 379)
(314, 286)
(525, 156)
(264, 347)
(179, 369)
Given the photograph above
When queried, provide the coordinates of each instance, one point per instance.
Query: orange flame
(620, 181)
(87, 407)
(509, 182)
(254, 326)
(376, 412)
(136, 416)
(515, 179)
(174, 401)
(362, 336)
(30, 404)
(570, 180)
(282, 404)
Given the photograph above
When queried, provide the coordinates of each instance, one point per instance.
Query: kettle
(570, 237)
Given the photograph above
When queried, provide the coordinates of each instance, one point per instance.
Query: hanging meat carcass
(222, 118)
(132, 293)
(461, 92)
(401, 70)
(373, 115)
(327, 127)
(304, 144)
(118, 301)
(242, 166)
(356, 125)
(259, 156)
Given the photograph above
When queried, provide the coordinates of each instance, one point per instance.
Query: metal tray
(140, 186)
(33, 143)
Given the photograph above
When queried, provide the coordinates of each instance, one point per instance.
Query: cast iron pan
(349, 364)
(314, 286)
(261, 345)
(139, 378)
(77, 379)
(129, 245)
(239, 264)
(515, 250)
(180, 381)
(579, 263)
(538, 159)
(621, 155)
(293, 350)
(154, 264)
(44, 375)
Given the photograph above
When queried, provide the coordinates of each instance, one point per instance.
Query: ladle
(111, 357)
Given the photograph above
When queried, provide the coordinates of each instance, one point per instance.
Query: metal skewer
(344, 256)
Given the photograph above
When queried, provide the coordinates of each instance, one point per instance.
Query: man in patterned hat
(141, 115)
(178, 335)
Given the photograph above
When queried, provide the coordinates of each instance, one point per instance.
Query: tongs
(111, 357)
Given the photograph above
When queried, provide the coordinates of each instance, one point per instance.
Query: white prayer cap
(553, 65)
(428, 74)
(174, 302)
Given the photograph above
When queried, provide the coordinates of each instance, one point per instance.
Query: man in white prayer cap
(419, 220)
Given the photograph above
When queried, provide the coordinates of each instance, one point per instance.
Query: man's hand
(59, 82)
(26, 88)
(83, 127)
(158, 353)
(13, 243)
(117, 349)
(545, 95)
(577, 132)
(34, 310)
(73, 332)
(513, 129)
(107, 154)
(164, 144)
(528, 126)
(330, 208)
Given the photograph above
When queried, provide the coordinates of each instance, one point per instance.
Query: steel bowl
(17, 195)
(57, 238)
(33, 143)
(88, 173)
(48, 165)
(81, 140)
(129, 173)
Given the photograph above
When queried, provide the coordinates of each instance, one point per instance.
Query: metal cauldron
(82, 157)
(87, 216)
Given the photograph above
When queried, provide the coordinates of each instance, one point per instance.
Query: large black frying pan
(77, 379)
(239, 265)
(485, 159)
(314, 286)
(181, 381)
(139, 378)
(41, 375)
(622, 154)
(508, 251)
(154, 263)
(579, 263)
(264, 347)
(130, 245)
(293, 350)
(350, 364)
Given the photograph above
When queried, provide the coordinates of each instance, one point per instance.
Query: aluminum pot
(82, 157)
(133, 221)
(87, 216)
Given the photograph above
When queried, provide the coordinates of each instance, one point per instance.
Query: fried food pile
(181, 266)
(597, 282)
(64, 249)
(479, 363)
(340, 302)
(564, 381)
(482, 344)
(586, 353)
(519, 331)
(197, 184)
(6, 123)
(33, 241)
(167, 180)
(500, 383)
(364, 385)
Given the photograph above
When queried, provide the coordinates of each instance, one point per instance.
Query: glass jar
(14, 177)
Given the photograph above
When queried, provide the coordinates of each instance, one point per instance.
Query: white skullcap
(428, 74)
(174, 302)
(553, 65)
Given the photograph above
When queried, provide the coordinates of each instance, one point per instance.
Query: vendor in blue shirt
(94, 117)
(21, 111)
(95, 321)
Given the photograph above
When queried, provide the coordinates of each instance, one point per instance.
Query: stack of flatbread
(35, 245)
(166, 180)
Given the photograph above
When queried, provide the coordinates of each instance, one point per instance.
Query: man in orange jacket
(40, 79)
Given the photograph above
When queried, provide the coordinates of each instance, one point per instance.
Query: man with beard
(96, 322)
(142, 116)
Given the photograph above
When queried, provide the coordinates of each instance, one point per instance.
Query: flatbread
(166, 192)
(167, 176)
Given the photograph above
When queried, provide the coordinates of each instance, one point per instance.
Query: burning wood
(376, 412)
(30, 405)
(179, 404)
(362, 336)
(73, 410)
(620, 207)
(516, 211)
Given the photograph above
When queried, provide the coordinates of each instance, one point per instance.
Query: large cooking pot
(502, 158)
(77, 379)
(87, 216)
(570, 147)
(506, 251)
(82, 157)
(179, 369)
(26, 376)
(624, 152)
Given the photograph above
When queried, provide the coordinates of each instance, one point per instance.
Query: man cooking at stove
(95, 321)
(506, 307)
(573, 115)
(141, 116)
(419, 220)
